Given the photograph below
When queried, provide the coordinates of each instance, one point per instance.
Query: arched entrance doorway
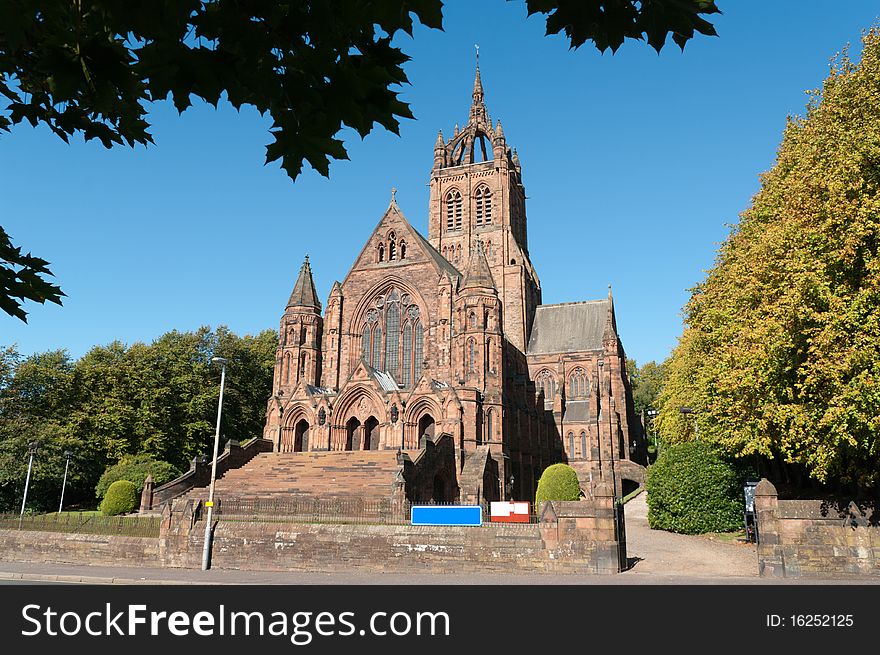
(371, 433)
(426, 427)
(351, 432)
(301, 436)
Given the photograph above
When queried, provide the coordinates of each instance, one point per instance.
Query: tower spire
(479, 114)
(304, 294)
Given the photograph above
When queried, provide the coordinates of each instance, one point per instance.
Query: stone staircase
(367, 474)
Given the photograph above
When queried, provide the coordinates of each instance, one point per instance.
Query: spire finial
(477, 46)
(393, 195)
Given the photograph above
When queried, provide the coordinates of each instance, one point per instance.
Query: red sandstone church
(437, 355)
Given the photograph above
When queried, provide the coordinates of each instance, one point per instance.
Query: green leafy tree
(781, 351)
(136, 469)
(315, 66)
(154, 401)
(647, 382)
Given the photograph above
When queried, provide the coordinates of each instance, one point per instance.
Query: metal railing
(322, 509)
(84, 523)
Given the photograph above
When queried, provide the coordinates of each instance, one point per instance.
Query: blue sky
(634, 166)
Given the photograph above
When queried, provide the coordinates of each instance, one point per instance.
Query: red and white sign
(509, 512)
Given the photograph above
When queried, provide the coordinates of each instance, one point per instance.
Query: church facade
(447, 337)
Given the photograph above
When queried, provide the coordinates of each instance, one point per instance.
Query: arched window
(377, 346)
(571, 445)
(405, 377)
(489, 359)
(458, 254)
(392, 251)
(418, 354)
(489, 425)
(381, 252)
(365, 344)
(471, 355)
(472, 321)
(577, 383)
(287, 368)
(547, 383)
(392, 338)
(583, 445)
(453, 210)
(402, 249)
(483, 205)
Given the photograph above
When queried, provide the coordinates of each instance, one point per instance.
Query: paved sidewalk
(657, 552)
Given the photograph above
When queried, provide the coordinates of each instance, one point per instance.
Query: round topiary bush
(121, 498)
(136, 468)
(692, 490)
(558, 482)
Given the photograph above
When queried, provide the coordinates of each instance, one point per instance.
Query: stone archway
(352, 430)
(426, 427)
(371, 433)
(301, 436)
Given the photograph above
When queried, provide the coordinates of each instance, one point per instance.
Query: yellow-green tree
(781, 350)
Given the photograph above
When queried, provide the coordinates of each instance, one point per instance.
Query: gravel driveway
(661, 553)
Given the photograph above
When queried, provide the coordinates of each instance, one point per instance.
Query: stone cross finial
(393, 195)
(477, 46)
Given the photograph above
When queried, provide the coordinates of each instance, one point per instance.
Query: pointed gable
(418, 249)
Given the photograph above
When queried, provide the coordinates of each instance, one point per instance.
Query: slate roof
(431, 251)
(384, 379)
(568, 327)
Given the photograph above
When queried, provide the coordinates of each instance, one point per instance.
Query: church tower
(299, 347)
(477, 195)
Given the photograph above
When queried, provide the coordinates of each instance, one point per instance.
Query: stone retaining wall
(575, 537)
(74, 548)
(813, 538)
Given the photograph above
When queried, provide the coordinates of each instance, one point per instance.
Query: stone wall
(73, 548)
(573, 537)
(814, 538)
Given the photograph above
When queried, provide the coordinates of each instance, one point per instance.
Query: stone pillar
(147, 494)
(771, 562)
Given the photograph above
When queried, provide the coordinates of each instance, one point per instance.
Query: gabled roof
(394, 214)
(568, 327)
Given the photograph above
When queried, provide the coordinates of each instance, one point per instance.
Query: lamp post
(67, 455)
(206, 550)
(652, 414)
(32, 448)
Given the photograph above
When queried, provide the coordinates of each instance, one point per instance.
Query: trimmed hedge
(136, 468)
(692, 490)
(558, 482)
(121, 498)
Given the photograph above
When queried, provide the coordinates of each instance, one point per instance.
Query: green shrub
(692, 490)
(121, 498)
(558, 482)
(136, 468)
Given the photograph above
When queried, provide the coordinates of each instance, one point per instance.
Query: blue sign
(446, 515)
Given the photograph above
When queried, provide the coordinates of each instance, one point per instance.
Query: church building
(445, 338)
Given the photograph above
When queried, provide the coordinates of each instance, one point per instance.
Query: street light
(652, 414)
(686, 411)
(67, 455)
(206, 550)
(32, 448)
